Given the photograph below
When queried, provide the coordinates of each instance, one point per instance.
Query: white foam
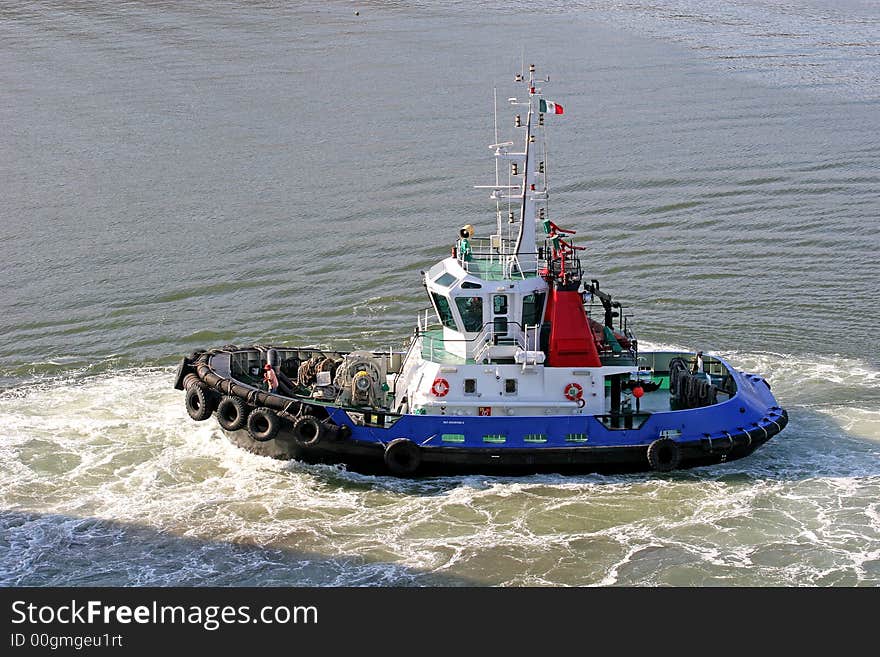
(119, 447)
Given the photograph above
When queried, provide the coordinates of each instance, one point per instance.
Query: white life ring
(574, 391)
(440, 387)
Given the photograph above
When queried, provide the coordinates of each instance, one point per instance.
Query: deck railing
(496, 258)
(433, 347)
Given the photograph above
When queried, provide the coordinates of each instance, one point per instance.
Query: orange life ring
(440, 387)
(573, 391)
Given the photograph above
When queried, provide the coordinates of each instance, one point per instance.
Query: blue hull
(752, 408)
(414, 444)
(522, 444)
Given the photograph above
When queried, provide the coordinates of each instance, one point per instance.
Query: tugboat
(520, 365)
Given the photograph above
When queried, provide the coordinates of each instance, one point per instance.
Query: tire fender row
(262, 414)
(745, 438)
(664, 454)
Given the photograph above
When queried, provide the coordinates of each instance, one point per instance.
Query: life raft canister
(574, 391)
(440, 387)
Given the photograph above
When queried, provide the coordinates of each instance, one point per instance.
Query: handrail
(438, 325)
(487, 336)
(487, 339)
(482, 251)
(526, 344)
(412, 344)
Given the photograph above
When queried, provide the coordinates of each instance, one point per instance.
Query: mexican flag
(549, 107)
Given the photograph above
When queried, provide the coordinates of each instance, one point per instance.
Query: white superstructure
(482, 347)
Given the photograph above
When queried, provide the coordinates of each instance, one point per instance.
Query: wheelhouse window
(446, 280)
(532, 308)
(471, 309)
(499, 303)
(444, 311)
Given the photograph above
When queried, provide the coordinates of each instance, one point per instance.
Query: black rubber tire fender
(263, 424)
(664, 455)
(403, 457)
(198, 402)
(307, 431)
(189, 380)
(232, 413)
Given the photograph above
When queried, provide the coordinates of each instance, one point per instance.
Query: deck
(434, 350)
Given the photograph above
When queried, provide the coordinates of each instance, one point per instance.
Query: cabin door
(500, 313)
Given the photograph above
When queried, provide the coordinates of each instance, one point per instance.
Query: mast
(526, 246)
(518, 247)
(497, 172)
